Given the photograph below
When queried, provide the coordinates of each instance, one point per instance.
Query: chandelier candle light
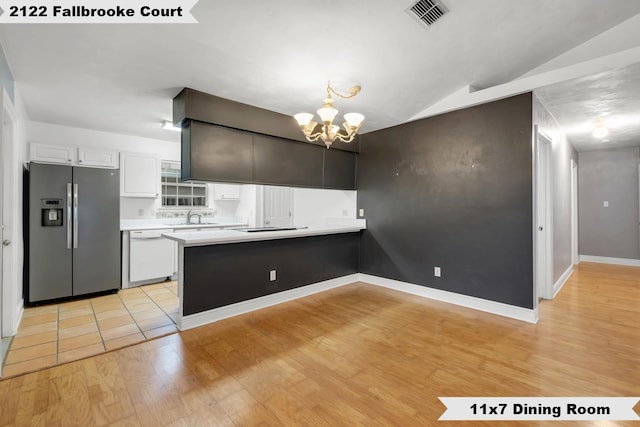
(327, 131)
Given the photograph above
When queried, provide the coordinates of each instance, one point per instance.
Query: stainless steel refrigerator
(73, 231)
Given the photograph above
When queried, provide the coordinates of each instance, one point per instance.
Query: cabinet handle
(75, 216)
(69, 215)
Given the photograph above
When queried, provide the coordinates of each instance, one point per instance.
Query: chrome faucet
(191, 215)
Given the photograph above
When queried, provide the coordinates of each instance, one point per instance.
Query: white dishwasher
(151, 256)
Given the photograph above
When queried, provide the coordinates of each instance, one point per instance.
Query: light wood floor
(59, 333)
(356, 355)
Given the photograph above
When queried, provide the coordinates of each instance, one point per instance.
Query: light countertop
(218, 237)
(178, 224)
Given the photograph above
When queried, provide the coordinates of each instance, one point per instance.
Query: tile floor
(59, 333)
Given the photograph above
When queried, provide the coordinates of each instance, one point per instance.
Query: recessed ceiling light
(166, 124)
(600, 132)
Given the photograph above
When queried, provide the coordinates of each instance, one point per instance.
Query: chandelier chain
(352, 92)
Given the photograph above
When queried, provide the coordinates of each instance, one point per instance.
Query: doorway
(543, 238)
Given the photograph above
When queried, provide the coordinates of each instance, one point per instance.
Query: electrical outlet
(605, 204)
(361, 213)
(345, 212)
(140, 212)
(437, 272)
(272, 275)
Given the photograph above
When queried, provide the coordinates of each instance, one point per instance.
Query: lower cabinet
(149, 257)
(220, 275)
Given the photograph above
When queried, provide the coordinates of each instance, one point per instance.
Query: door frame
(543, 215)
(575, 256)
(11, 306)
(2, 203)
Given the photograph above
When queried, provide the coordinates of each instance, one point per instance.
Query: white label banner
(97, 12)
(539, 408)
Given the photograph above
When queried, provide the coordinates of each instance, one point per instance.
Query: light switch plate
(437, 272)
(361, 214)
(272, 275)
(605, 204)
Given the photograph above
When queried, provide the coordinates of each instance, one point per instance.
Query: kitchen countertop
(178, 224)
(218, 237)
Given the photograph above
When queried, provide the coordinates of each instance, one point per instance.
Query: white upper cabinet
(75, 156)
(95, 157)
(226, 191)
(51, 153)
(139, 175)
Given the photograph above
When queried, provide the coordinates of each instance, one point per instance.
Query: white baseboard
(506, 310)
(562, 280)
(210, 316)
(609, 260)
(11, 327)
(216, 314)
(19, 313)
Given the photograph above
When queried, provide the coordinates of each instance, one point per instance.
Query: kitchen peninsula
(222, 273)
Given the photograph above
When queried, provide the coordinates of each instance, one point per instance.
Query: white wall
(130, 208)
(246, 207)
(243, 208)
(311, 207)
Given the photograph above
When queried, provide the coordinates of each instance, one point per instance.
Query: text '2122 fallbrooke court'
(83, 11)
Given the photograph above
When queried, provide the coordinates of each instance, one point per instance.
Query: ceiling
(280, 54)
(610, 99)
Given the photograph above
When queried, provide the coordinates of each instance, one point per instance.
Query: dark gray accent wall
(562, 153)
(453, 191)
(217, 275)
(612, 176)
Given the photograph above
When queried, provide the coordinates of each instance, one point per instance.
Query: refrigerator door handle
(75, 216)
(69, 215)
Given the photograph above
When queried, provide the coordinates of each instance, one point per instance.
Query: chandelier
(327, 131)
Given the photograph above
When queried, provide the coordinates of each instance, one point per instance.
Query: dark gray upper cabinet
(216, 153)
(191, 104)
(221, 154)
(339, 169)
(282, 162)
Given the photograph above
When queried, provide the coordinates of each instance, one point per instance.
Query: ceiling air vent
(427, 12)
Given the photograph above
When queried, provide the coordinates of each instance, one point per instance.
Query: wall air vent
(427, 12)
